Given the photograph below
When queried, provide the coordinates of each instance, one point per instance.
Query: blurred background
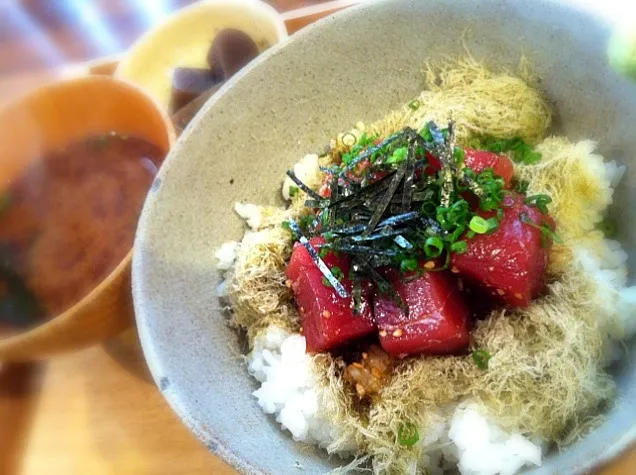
(38, 36)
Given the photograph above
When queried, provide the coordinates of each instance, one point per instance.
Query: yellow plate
(185, 38)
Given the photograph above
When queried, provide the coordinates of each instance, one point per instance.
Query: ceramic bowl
(185, 38)
(48, 119)
(356, 65)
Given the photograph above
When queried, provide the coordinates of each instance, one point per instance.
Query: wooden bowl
(50, 118)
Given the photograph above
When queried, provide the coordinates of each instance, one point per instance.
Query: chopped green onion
(459, 155)
(351, 142)
(608, 227)
(481, 359)
(459, 247)
(433, 247)
(540, 201)
(323, 252)
(520, 151)
(415, 105)
(522, 186)
(408, 435)
(408, 264)
(479, 225)
(293, 191)
(398, 155)
(337, 273)
(425, 133)
(306, 221)
(546, 232)
(429, 208)
(493, 224)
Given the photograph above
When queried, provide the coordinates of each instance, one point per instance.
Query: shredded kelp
(258, 294)
(577, 181)
(480, 101)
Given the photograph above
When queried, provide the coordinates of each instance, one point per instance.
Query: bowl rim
(75, 310)
(214, 445)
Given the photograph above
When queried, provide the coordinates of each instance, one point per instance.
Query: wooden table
(97, 411)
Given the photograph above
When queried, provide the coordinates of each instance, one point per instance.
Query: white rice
(306, 170)
(290, 390)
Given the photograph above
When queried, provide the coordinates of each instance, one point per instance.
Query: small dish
(185, 38)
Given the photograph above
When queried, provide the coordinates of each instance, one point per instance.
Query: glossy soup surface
(67, 222)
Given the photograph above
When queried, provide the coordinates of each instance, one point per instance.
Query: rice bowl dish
(527, 378)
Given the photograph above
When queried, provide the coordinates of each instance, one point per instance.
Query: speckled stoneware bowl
(357, 65)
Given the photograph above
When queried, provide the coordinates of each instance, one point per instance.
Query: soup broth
(68, 221)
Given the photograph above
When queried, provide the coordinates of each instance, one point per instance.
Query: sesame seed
(376, 372)
(518, 295)
(501, 291)
(360, 390)
(491, 269)
(288, 283)
(429, 265)
(454, 270)
(382, 333)
(365, 355)
(397, 333)
(326, 314)
(357, 365)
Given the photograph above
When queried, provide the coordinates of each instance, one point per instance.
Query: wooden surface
(97, 412)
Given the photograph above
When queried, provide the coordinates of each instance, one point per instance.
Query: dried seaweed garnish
(407, 193)
(302, 186)
(356, 289)
(386, 199)
(383, 285)
(402, 242)
(342, 292)
(390, 204)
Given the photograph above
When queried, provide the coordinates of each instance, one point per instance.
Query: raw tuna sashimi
(437, 321)
(479, 160)
(328, 320)
(511, 262)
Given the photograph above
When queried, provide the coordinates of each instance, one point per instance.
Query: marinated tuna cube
(510, 263)
(437, 321)
(328, 320)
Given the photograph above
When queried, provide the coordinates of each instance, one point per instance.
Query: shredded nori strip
(356, 289)
(402, 242)
(372, 189)
(407, 193)
(385, 200)
(302, 186)
(384, 286)
(400, 219)
(370, 151)
(360, 250)
(334, 189)
(342, 292)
